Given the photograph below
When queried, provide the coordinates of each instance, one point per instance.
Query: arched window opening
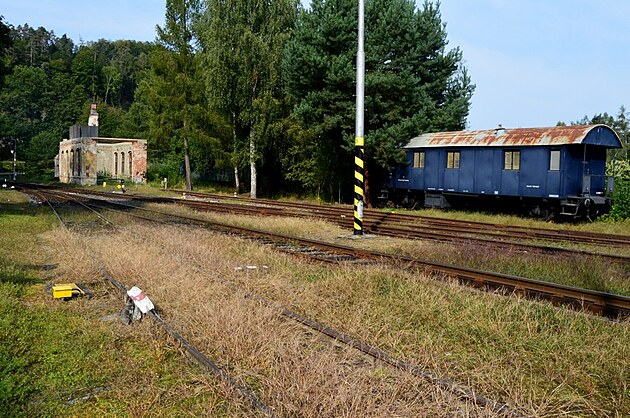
(72, 162)
(130, 167)
(115, 164)
(122, 163)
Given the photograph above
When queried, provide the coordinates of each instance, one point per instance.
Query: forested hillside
(259, 95)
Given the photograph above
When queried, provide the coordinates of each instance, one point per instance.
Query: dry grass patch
(141, 370)
(295, 371)
(588, 272)
(545, 361)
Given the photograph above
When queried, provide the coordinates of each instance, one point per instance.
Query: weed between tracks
(588, 272)
(543, 360)
(71, 358)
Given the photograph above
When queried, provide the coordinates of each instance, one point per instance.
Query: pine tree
(412, 84)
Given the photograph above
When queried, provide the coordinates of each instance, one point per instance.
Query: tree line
(259, 93)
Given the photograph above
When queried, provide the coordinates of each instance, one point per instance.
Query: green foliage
(620, 170)
(218, 88)
(414, 83)
(173, 90)
(242, 43)
(168, 166)
(5, 44)
(49, 84)
(621, 204)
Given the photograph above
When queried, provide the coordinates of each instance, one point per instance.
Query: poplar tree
(413, 83)
(242, 43)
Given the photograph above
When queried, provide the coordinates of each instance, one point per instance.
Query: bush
(167, 167)
(621, 205)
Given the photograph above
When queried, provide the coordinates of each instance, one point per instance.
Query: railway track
(407, 226)
(49, 199)
(408, 231)
(377, 217)
(460, 391)
(601, 303)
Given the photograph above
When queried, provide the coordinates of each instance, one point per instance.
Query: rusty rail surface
(381, 223)
(200, 357)
(601, 303)
(400, 225)
(435, 222)
(460, 391)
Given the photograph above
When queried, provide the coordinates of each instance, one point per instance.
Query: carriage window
(452, 160)
(554, 160)
(418, 159)
(512, 160)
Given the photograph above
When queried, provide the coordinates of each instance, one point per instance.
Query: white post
(14, 152)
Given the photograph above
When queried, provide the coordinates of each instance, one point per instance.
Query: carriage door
(554, 173)
(586, 175)
(451, 174)
(594, 171)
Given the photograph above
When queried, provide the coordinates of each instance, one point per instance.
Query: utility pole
(359, 141)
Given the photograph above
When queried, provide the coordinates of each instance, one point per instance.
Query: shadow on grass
(18, 275)
(8, 207)
(10, 272)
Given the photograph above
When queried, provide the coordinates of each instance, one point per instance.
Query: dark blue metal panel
(432, 170)
(467, 169)
(483, 175)
(416, 175)
(553, 186)
(533, 172)
(451, 175)
(481, 170)
(575, 170)
(509, 183)
(604, 136)
(596, 168)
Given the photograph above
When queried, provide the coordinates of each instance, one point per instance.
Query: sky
(534, 62)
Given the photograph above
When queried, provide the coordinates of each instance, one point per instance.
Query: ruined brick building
(84, 156)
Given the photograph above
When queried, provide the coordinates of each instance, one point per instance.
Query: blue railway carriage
(544, 171)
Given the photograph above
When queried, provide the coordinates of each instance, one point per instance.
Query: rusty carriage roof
(505, 137)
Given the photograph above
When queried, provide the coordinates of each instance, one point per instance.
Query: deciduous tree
(175, 90)
(242, 42)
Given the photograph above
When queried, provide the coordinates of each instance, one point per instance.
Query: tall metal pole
(359, 142)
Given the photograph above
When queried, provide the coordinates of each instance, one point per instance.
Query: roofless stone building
(84, 155)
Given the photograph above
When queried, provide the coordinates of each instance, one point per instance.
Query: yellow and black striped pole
(359, 142)
(358, 186)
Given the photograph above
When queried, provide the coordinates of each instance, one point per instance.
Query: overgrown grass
(544, 360)
(62, 358)
(588, 272)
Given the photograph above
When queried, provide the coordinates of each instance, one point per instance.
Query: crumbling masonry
(84, 156)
